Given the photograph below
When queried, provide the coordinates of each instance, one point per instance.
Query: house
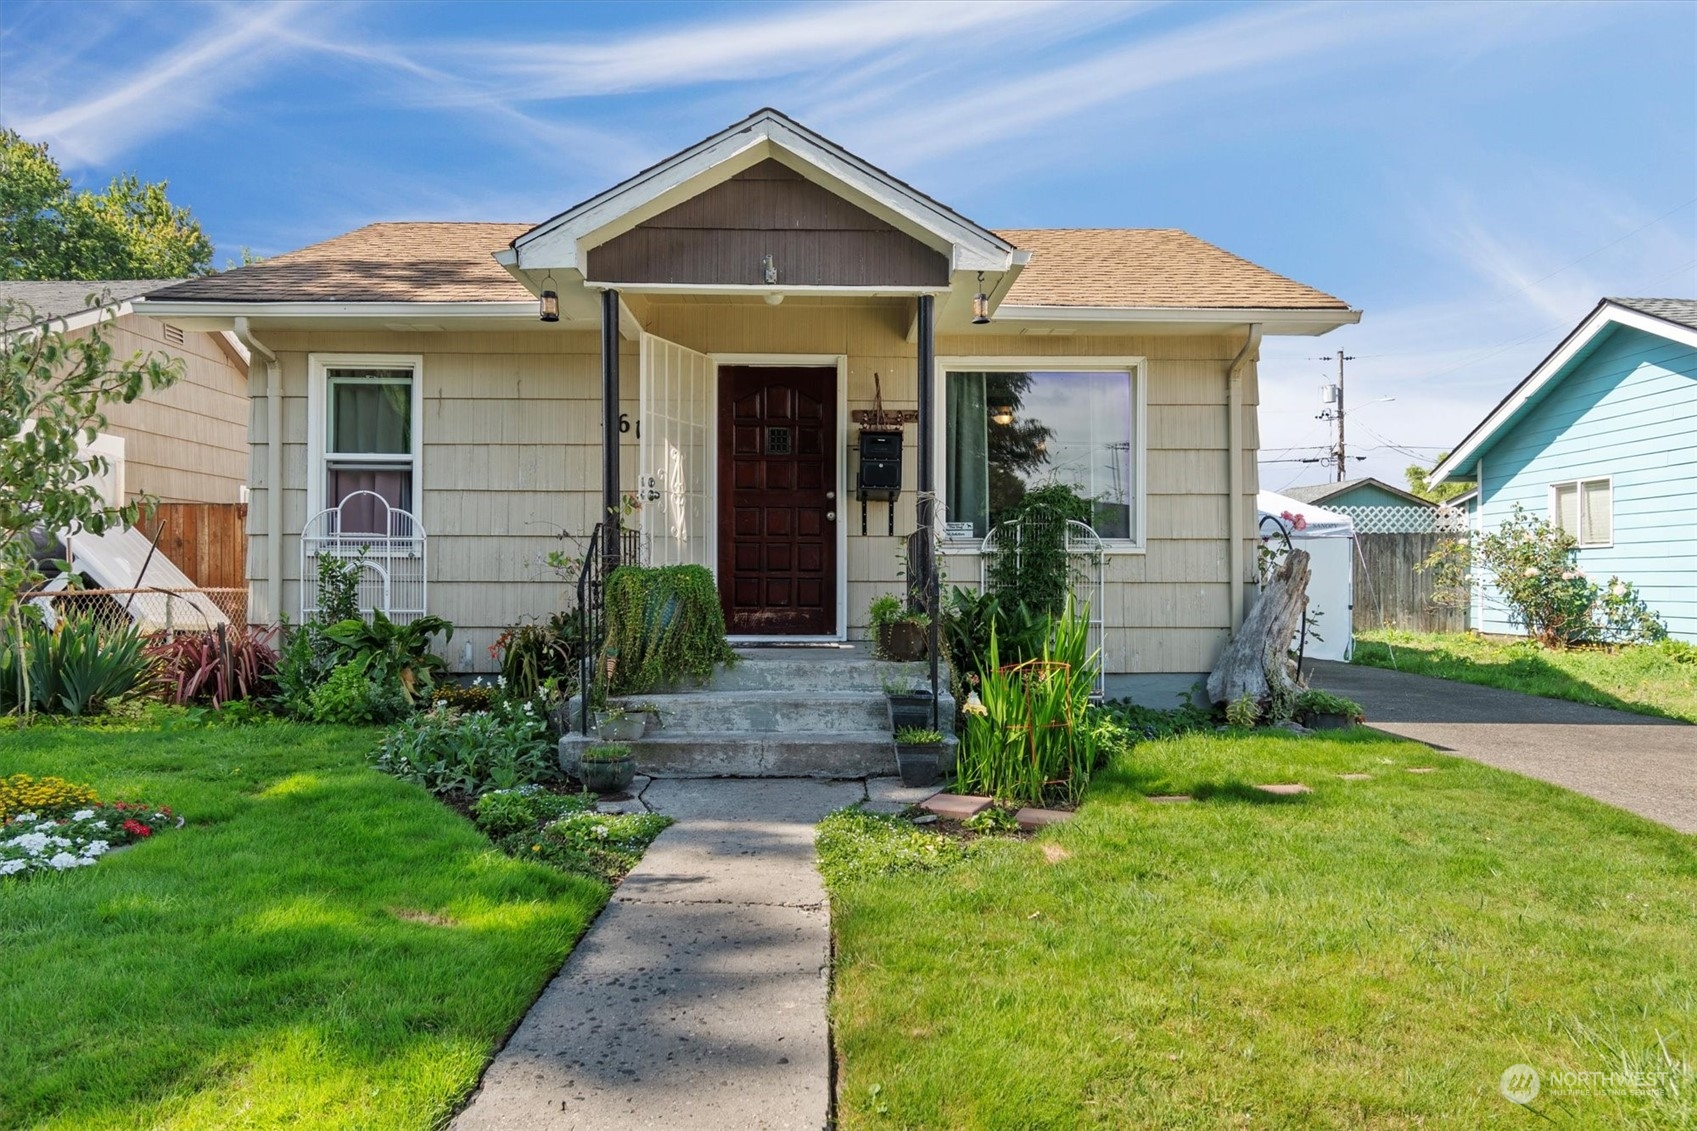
(184, 444)
(1601, 439)
(712, 335)
(1364, 492)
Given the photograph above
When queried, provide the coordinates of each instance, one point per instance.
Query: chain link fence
(155, 611)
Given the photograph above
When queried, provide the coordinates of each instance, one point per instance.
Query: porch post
(926, 502)
(610, 515)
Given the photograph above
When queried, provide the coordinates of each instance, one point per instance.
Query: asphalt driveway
(1642, 764)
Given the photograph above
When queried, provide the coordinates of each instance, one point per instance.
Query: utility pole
(1331, 398)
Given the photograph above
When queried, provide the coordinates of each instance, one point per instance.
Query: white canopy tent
(1329, 539)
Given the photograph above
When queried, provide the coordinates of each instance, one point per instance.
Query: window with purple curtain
(369, 444)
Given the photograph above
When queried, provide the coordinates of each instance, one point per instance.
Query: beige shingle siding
(428, 262)
(1148, 267)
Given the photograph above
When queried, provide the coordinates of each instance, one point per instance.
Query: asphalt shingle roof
(452, 262)
(54, 298)
(1680, 310)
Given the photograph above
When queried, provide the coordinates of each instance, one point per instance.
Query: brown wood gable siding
(815, 238)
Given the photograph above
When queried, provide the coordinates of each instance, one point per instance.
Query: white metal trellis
(393, 574)
(1086, 575)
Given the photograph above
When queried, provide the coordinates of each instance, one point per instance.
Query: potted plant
(910, 706)
(1321, 710)
(898, 633)
(649, 713)
(607, 768)
(919, 755)
(618, 724)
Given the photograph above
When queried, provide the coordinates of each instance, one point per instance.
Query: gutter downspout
(1234, 475)
(273, 466)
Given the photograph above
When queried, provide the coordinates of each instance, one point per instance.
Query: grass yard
(322, 946)
(1647, 680)
(1371, 955)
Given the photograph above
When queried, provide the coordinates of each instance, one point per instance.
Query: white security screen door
(674, 453)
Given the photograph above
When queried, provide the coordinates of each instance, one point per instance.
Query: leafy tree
(50, 231)
(53, 391)
(1417, 477)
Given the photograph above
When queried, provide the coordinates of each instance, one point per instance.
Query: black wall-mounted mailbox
(880, 465)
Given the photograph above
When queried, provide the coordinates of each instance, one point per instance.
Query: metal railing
(598, 561)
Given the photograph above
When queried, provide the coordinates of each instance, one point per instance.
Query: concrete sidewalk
(1639, 763)
(698, 997)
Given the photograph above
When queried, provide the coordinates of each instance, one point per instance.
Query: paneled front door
(777, 500)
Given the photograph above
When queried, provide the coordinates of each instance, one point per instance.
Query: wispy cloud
(174, 91)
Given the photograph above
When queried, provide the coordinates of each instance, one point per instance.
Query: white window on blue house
(1585, 509)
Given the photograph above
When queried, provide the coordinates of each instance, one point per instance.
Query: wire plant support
(1086, 571)
(387, 542)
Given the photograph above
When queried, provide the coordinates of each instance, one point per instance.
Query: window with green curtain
(368, 444)
(1010, 431)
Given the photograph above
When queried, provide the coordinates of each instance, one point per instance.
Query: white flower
(21, 818)
(62, 861)
(500, 681)
(95, 848)
(8, 867)
(82, 814)
(59, 841)
(101, 825)
(1618, 589)
(32, 843)
(1531, 571)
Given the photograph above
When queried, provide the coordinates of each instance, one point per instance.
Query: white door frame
(775, 361)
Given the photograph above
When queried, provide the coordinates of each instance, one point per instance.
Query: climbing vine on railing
(1029, 564)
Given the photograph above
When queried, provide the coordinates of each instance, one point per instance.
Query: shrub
(1243, 712)
(391, 652)
(1029, 735)
(447, 752)
(1534, 567)
(1314, 701)
(45, 797)
(216, 667)
(532, 655)
(663, 623)
(502, 812)
(969, 618)
(1141, 723)
(352, 698)
(77, 668)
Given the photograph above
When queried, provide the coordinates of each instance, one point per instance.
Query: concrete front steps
(781, 712)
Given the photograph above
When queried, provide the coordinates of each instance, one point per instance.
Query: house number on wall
(625, 424)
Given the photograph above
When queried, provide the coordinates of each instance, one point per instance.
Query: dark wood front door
(777, 501)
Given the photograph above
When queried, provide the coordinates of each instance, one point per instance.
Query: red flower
(136, 828)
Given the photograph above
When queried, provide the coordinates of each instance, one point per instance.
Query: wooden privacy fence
(207, 541)
(1391, 593)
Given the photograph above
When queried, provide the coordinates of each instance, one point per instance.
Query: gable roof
(60, 298)
(1148, 267)
(1661, 316)
(766, 133)
(1323, 492)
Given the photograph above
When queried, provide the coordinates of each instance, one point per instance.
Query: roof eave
(1273, 320)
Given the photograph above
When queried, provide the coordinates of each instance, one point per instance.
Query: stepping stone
(624, 807)
(1422, 769)
(1033, 819)
(955, 806)
(1356, 777)
(1169, 798)
(1285, 789)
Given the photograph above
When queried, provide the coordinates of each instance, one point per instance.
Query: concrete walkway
(1642, 764)
(698, 997)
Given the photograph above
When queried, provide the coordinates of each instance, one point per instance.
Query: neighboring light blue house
(1601, 438)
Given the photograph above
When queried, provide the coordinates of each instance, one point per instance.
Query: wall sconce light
(981, 308)
(768, 270)
(549, 309)
(1001, 414)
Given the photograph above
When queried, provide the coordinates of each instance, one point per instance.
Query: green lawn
(322, 946)
(1372, 955)
(1648, 680)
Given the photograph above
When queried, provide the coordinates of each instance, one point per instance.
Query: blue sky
(1473, 176)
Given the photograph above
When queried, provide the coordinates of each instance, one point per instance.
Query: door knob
(830, 494)
(830, 516)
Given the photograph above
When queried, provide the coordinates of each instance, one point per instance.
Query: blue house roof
(1672, 318)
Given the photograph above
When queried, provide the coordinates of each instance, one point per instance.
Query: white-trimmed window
(364, 412)
(1014, 424)
(1585, 509)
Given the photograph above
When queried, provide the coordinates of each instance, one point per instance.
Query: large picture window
(365, 431)
(1009, 431)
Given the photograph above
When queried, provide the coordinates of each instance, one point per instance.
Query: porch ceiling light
(549, 308)
(981, 313)
(1001, 414)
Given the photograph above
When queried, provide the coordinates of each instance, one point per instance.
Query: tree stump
(1257, 662)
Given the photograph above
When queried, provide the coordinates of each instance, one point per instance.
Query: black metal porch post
(926, 504)
(610, 513)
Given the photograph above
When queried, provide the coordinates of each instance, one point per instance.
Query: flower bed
(38, 842)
